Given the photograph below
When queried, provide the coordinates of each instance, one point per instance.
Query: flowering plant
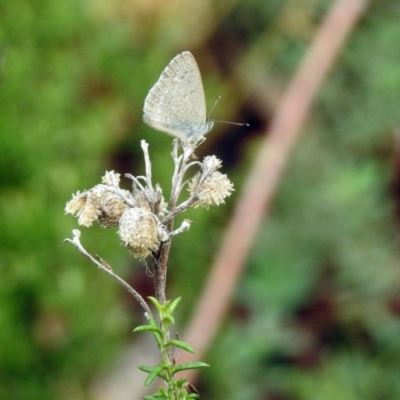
(145, 222)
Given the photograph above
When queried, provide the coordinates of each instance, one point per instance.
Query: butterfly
(176, 104)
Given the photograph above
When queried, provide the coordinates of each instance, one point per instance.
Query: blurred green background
(316, 315)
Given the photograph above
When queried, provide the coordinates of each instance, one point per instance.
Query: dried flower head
(84, 206)
(111, 208)
(212, 191)
(138, 230)
(211, 163)
(98, 204)
(111, 178)
(140, 199)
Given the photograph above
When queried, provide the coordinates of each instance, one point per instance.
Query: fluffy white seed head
(138, 230)
(213, 190)
(98, 204)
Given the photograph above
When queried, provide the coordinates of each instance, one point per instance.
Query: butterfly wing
(176, 103)
(166, 108)
(184, 68)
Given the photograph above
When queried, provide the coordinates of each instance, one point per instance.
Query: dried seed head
(98, 204)
(212, 163)
(84, 206)
(76, 204)
(138, 231)
(111, 208)
(140, 199)
(111, 178)
(213, 190)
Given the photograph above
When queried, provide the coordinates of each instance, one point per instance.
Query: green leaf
(150, 328)
(169, 319)
(156, 303)
(156, 396)
(149, 370)
(146, 368)
(181, 382)
(193, 396)
(190, 365)
(161, 394)
(173, 305)
(157, 332)
(153, 374)
(153, 322)
(182, 345)
(159, 340)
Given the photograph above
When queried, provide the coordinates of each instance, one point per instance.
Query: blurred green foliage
(316, 315)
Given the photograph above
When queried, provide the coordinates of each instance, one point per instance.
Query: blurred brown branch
(266, 174)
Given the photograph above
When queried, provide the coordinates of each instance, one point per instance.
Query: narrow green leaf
(157, 332)
(153, 322)
(153, 374)
(181, 382)
(146, 368)
(181, 345)
(167, 304)
(161, 394)
(150, 328)
(173, 305)
(158, 338)
(190, 365)
(169, 319)
(155, 396)
(156, 303)
(193, 396)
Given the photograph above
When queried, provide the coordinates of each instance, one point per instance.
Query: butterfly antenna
(224, 122)
(212, 108)
(232, 123)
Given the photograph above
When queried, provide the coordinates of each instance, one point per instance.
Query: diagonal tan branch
(267, 173)
(104, 266)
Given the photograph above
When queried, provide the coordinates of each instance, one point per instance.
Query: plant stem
(160, 271)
